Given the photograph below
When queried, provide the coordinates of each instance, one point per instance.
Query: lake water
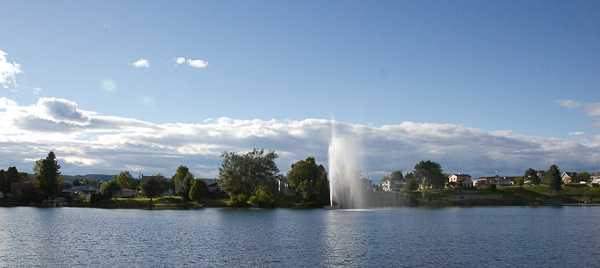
(402, 237)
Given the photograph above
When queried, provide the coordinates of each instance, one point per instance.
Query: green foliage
(431, 173)
(7, 178)
(262, 197)
(239, 200)
(493, 187)
(152, 188)
(397, 175)
(244, 173)
(76, 182)
(310, 181)
(595, 192)
(411, 184)
(4, 183)
(586, 176)
(47, 176)
(95, 198)
(520, 181)
(532, 177)
(110, 188)
(187, 186)
(198, 191)
(554, 179)
(126, 180)
(179, 176)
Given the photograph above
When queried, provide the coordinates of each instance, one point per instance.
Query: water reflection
(403, 237)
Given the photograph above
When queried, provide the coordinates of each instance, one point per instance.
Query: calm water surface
(403, 237)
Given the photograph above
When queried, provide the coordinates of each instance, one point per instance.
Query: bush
(239, 200)
(95, 198)
(493, 187)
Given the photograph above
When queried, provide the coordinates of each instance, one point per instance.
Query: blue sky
(527, 68)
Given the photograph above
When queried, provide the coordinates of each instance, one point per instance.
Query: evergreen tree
(554, 179)
(47, 176)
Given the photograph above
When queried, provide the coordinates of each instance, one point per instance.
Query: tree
(554, 179)
(125, 180)
(244, 173)
(47, 176)
(4, 183)
(397, 175)
(186, 186)
(586, 176)
(310, 181)
(532, 177)
(411, 183)
(520, 181)
(179, 176)
(198, 191)
(431, 173)
(262, 197)
(110, 188)
(152, 188)
(76, 182)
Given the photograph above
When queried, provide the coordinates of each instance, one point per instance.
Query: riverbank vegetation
(253, 179)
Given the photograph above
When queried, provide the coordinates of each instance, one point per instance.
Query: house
(500, 181)
(27, 188)
(481, 183)
(460, 180)
(214, 189)
(595, 180)
(542, 175)
(125, 193)
(392, 184)
(284, 187)
(571, 177)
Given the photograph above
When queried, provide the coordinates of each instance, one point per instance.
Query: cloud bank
(85, 142)
(8, 71)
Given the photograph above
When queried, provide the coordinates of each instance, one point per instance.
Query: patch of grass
(217, 202)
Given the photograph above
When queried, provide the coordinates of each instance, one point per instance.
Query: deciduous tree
(179, 176)
(310, 181)
(243, 173)
(431, 174)
(152, 188)
(198, 191)
(110, 188)
(125, 180)
(532, 177)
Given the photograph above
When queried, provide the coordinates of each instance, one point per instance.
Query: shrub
(239, 200)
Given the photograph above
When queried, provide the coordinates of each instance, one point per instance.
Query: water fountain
(345, 157)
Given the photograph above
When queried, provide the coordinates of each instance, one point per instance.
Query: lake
(211, 237)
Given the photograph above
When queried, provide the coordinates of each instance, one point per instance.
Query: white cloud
(190, 62)
(141, 63)
(36, 90)
(90, 143)
(197, 63)
(8, 71)
(180, 60)
(579, 135)
(590, 109)
(569, 103)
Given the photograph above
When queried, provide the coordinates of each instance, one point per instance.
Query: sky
(146, 86)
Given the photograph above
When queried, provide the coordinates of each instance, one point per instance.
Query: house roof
(210, 181)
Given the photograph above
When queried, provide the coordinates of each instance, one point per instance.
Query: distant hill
(96, 177)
